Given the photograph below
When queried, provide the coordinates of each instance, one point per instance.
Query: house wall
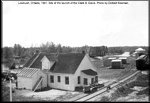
(73, 78)
(62, 85)
(85, 64)
(24, 82)
(116, 65)
(36, 78)
(28, 83)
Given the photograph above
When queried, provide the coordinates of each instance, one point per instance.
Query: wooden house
(62, 71)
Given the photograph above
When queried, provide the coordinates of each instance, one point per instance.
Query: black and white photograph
(75, 51)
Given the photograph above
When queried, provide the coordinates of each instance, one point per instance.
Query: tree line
(8, 53)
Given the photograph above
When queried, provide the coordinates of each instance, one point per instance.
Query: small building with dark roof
(98, 51)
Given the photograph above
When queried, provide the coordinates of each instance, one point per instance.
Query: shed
(31, 79)
(123, 59)
(116, 64)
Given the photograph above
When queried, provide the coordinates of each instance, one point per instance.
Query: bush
(124, 91)
(105, 99)
(121, 91)
(5, 93)
(145, 91)
(141, 80)
(143, 77)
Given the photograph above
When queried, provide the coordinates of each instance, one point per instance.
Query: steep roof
(89, 72)
(30, 60)
(64, 62)
(68, 63)
(35, 61)
(28, 72)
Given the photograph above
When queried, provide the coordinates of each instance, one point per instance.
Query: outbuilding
(116, 64)
(139, 52)
(123, 59)
(31, 79)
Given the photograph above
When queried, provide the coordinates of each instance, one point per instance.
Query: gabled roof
(51, 57)
(141, 57)
(89, 72)
(68, 63)
(35, 61)
(28, 72)
(64, 62)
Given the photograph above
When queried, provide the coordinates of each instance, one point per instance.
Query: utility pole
(10, 91)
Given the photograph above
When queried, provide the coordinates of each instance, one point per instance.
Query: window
(51, 78)
(96, 79)
(85, 81)
(78, 79)
(66, 80)
(92, 80)
(58, 78)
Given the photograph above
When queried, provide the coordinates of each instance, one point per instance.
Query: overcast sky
(75, 25)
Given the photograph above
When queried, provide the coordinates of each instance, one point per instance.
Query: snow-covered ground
(50, 94)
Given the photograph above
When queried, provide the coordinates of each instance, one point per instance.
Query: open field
(113, 74)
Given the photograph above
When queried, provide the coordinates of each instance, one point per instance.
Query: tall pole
(10, 91)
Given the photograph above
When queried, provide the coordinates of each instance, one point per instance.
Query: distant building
(138, 52)
(124, 60)
(98, 51)
(143, 63)
(116, 64)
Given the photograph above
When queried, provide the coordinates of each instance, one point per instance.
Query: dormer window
(45, 63)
